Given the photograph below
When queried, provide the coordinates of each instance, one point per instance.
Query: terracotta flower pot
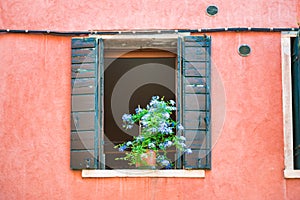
(146, 160)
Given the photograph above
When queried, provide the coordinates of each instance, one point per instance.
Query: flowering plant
(157, 132)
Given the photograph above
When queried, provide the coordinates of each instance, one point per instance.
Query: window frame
(100, 172)
(289, 171)
(140, 173)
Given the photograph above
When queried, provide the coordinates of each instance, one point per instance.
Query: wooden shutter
(194, 99)
(84, 113)
(296, 100)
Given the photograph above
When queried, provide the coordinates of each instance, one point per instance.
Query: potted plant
(157, 133)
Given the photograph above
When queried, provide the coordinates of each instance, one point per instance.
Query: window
(291, 109)
(174, 67)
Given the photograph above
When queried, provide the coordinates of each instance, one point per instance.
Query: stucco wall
(145, 14)
(35, 99)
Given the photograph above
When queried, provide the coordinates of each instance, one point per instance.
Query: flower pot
(146, 160)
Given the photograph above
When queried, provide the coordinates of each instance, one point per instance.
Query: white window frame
(178, 173)
(289, 171)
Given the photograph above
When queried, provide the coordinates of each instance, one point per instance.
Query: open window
(113, 76)
(131, 78)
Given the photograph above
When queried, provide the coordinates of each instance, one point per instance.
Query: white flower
(168, 144)
(137, 110)
(165, 162)
(188, 151)
(166, 115)
(151, 145)
(172, 102)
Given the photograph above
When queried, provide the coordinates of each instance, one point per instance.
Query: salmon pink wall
(248, 159)
(145, 14)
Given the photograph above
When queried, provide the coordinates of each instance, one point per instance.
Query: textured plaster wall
(35, 100)
(145, 14)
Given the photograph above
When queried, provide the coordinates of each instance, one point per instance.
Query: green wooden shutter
(84, 104)
(194, 99)
(296, 100)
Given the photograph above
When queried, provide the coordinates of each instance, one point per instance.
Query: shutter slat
(83, 159)
(91, 52)
(83, 42)
(194, 120)
(82, 140)
(195, 89)
(197, 159)
(195, 54)
(195, 106)
(83, 59)
(84, 70)
(195, 138)
(195, 101)
(82, 121)
(195, 69)
(84, 117)
(83, 103)
(83, 86)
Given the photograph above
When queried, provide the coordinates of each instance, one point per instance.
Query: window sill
(86, 173)
(291, 173)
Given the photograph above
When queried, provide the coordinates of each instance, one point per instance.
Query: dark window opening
(296, 99)
(140, 95)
